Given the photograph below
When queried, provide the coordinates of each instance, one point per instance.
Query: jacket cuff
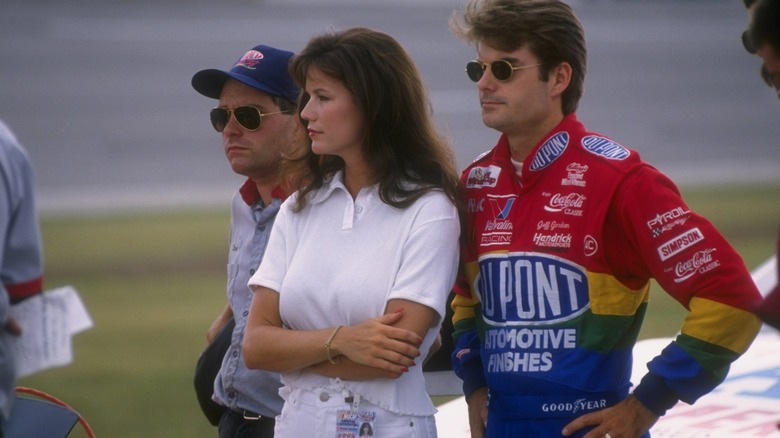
(655, 395)
(473, 377)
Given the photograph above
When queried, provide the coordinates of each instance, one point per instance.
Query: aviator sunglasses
(248, 117)
(501, 69)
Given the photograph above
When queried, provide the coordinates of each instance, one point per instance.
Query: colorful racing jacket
(556, 276)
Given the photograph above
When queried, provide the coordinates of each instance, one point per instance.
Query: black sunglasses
(248, 117)
(501, 69)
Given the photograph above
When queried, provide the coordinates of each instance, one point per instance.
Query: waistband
(323, 397)
(554, 406)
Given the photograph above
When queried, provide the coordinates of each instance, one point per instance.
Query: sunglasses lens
(248, 117)
(219, 118)
(474, 71)
(502, 70)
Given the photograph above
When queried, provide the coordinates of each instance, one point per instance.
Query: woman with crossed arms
(361, 260)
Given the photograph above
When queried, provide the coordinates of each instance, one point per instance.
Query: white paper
(48, 321)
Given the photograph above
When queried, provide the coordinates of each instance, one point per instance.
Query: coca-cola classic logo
(570, 204)
(701, 261)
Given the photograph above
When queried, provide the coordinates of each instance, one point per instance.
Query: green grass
(153, 283)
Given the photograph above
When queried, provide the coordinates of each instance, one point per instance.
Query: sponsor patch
(498, 231)
(591, 245)
(668, 220)
(480, 177)
(532, 343)
(557, 241)
(530, 289)
(604, 147)
(550, 151)
(475, 205)
(570, 204)
(679, 243)
(701, 262)
(576, 176)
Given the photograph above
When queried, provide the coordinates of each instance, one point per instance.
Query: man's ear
(560, 77)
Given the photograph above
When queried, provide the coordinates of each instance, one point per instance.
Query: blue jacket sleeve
(467, 361)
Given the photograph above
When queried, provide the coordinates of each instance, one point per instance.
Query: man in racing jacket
(564, 230)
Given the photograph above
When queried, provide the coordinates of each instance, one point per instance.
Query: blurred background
(99, 91)
(134, 187)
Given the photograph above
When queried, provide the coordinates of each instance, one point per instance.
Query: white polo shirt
(339, 261)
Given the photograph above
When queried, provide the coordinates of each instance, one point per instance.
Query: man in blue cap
(256, 117)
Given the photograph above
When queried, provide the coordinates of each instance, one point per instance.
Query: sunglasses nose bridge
(229, 119)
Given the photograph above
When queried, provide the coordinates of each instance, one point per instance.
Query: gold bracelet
(327, 344)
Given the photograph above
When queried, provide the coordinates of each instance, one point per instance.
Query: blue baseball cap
(264, 68)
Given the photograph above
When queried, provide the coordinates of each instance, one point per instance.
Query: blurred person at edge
(256, 117)
(362, 258)
(762, 38)
(21, 258)
(564, 230)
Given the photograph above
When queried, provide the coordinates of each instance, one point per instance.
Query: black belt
(248, 415)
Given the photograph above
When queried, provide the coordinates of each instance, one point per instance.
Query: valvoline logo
(530, 288)
(550, 150)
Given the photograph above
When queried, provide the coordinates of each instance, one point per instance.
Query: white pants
(313, 412)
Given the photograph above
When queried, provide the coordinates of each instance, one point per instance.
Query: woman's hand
(377, 343)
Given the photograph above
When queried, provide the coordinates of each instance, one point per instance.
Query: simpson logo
(605, 147)
(480, 177)
(530, 289)
(679, 243)
(550, 150)
(250, 59)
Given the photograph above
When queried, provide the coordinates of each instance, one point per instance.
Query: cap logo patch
(250, 59)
